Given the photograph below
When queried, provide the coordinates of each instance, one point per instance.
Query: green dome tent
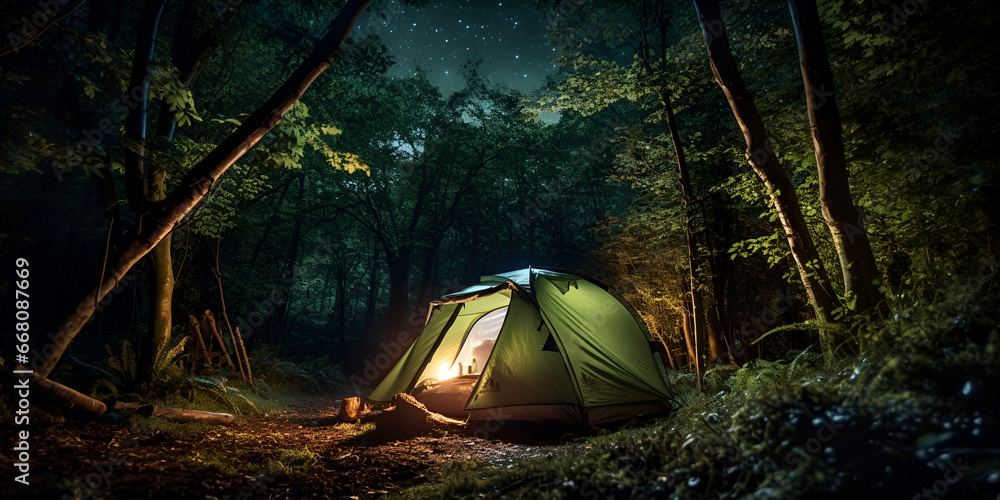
(557, 346)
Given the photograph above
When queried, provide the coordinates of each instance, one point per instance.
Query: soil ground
(302, 452)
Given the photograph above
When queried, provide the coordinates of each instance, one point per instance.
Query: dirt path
(298, 453)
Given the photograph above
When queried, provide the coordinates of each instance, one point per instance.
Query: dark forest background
(376, 194)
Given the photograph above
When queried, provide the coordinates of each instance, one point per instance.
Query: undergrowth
(914, 415)
(277, 383)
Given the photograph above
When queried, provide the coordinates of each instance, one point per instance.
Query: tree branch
(193, 189)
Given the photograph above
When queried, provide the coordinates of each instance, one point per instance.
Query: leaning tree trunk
(761, 157)
(857, 263)
(165, 216)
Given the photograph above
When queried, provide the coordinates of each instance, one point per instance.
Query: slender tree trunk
(238, 351)
(706, 340)
(287, 278)
(689, 339)
(190, 53)
(341, 307)
(427, 278)
(145, 182)
(135, 120)
(161, 282)
(399, 278)
(723, 274)
(192, 190)
(761, 157)
(857, 263)
(116, 22)
(323, 295)
(373, 286)
(270, 225)
(189, 56)
(97, 16)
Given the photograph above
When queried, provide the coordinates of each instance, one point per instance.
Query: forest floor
(301, 452)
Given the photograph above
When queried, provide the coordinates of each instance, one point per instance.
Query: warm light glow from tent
(445, 372)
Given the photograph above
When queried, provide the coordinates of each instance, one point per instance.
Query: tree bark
(857, 263)
(142, 185)
(341, 307)
(181, 415)
(69, 401)
(706, 340)
(373, 286)
(189, 55)
(161, 289)
(238, 351)
(689, 339)
(723, 271)
(270, 224)
(165, 216)
(427, 277)
(286, 280)
(399, 277)
(212, 330)
(135, 120)
(702, 342)
(243, 354)
(765, 163)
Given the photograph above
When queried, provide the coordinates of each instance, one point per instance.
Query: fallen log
(179, 415)
(70, 402)
(184, 416)
(408, 417)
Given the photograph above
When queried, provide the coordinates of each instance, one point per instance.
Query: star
(447, 21)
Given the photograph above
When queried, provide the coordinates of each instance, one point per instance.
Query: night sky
(508, 35)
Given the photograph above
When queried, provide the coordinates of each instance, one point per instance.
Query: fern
(123, 363)
(802, 360)
(96, 370)
(166, 359)
(806, 325)
(94, 387)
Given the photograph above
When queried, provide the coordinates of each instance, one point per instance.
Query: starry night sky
(509, 35)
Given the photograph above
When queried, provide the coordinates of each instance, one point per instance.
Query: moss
(354, 430)
(293, 460)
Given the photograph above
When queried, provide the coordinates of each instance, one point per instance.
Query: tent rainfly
(532, 345)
